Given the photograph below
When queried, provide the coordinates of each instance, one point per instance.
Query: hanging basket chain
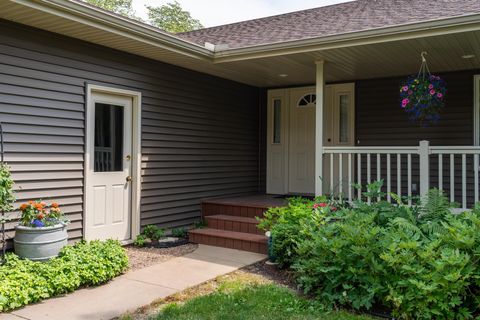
(424, 70)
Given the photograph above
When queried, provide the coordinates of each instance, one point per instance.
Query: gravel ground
(143, 257)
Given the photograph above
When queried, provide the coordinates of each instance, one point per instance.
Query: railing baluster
(440, 172)
(399, 175)
(475, 179)
(331, 176)
(340, 175)
(369, 173)
(464, 181)
(452, 177)
(409, 178)
(359, 176)
(389, 179)
(350, 177)
(379, 175)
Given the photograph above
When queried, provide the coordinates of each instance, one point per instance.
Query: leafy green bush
(83, 264)
(7, 196)
(153, 232)
(419, 261)
(179, 232)
(293, 224)
(422, 262)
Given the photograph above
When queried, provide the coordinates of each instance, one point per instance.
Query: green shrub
(420, 261)
(153, 232)
(179, 232)
(83, 264)
(293, 224)
(140, 240)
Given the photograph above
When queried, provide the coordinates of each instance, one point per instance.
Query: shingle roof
(331, 20)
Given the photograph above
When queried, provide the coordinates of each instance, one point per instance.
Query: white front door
(109, 167)
(291, 139)
(301, 175)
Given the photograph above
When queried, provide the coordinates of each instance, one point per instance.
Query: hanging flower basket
(423, 96)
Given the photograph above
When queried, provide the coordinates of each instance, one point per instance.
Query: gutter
(356, 38)
(83, 13)
(78, 11)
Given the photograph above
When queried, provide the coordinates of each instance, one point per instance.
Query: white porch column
(424, 152)
(320, 89)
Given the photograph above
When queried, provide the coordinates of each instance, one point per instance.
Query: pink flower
(323, 204)
(439, 95)
(334, 209)
(410, 92)
(405, 88)
(430, 86)
(432, 92)
(315, 206)
(405, 102)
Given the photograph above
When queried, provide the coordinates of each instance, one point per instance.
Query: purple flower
(439, 95)
(430, 86)
(410, 92)
(432, 92)
(405, 88)
(38, 223)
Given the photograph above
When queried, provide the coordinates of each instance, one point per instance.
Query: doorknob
(129, 178)
(128, 157)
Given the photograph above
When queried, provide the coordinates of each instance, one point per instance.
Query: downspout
(259, 173)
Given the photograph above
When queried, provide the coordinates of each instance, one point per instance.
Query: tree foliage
(123, 7)
(172, 18)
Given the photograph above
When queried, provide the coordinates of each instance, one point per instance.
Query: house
(126, 125)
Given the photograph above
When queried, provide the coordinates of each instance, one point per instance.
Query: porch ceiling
(364, 61)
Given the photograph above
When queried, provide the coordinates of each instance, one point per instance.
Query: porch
(349, 129)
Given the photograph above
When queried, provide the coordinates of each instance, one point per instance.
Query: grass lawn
(239, 296)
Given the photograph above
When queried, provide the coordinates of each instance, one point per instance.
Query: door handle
(129, 178)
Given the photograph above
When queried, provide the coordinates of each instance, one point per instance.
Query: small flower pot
(40, 244)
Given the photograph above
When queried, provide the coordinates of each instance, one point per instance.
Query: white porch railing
(406, 171)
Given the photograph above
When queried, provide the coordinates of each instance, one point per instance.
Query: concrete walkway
(138, 288)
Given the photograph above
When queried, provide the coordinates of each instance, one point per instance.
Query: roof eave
(371, 36)
(110, 22)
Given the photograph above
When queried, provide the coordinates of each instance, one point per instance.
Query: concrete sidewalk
(138, 288)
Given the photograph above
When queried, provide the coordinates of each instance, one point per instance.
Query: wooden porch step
(233, 223)
(229, 239)
(245, 206)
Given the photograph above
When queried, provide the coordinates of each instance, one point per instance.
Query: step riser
(233, 226)
(210, 209)
(229, 243)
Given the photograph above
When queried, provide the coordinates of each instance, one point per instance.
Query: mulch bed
(144, 257)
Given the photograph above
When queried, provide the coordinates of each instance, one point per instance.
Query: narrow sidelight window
(343, 125)
(277, 121)
(108, 138)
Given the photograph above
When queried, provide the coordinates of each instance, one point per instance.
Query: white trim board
(476, 110)
(136, 152)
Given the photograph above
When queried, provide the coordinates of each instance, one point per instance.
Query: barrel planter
(39, 244)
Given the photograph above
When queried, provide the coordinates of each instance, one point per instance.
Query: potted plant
(42, 231)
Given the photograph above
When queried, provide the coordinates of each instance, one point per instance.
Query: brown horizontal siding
(199, 133)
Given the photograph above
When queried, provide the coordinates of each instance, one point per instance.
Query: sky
(217, 12)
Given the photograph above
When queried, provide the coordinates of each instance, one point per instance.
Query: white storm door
(109, 148)
(302, 141)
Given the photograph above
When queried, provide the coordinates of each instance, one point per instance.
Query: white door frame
(476, 109)
(136, 153)
(284, 147)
